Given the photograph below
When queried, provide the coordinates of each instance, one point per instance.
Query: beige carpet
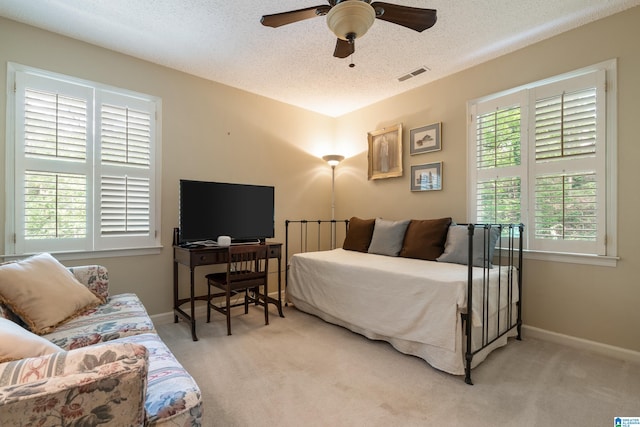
(301, 371)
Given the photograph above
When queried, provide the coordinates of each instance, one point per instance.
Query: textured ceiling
(223, 41)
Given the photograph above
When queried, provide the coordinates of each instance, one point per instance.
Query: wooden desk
(195, 257)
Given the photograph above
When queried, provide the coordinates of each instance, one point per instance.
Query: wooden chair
(247, 269)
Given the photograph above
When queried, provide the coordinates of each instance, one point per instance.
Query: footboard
(504, 321)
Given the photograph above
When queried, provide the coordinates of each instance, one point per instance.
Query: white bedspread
(407, 299)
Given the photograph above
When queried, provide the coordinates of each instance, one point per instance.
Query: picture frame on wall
(385, 152)
(425, 139)
(426, 177)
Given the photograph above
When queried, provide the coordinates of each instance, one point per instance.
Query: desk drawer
(275, 251)
(215, 255)
(208, 258)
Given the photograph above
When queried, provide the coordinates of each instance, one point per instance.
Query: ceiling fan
(350, 19)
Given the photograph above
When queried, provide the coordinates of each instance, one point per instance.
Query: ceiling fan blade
(284, 18)
(344, 49)
(410, 17)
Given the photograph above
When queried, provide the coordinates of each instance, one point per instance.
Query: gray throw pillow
(388, 237)
(456, 248)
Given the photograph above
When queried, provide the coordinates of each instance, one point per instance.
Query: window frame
(15, 160)
(607, 164)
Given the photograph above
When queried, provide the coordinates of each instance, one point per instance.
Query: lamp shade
(350, 19)
(333, 159)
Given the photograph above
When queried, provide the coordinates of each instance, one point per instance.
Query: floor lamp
(333, 160)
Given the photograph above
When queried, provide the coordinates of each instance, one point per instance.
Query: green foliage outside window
(498, 199)
(55, 206)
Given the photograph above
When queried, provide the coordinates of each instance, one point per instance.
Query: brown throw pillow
(359, 234)
(425, 239)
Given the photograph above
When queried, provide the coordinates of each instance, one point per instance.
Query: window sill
(110, 253)
(597, 260)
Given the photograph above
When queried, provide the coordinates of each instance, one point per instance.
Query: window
(544, 155)
(82, 165)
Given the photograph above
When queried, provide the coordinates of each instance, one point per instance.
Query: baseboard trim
(166, 318)
(581, 344)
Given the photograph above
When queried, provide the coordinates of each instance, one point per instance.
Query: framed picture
(425, 139)
(426, 177)
(385, 152)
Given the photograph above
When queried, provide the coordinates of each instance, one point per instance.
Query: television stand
(210, 255)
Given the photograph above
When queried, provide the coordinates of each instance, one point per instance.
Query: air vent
(413, 73)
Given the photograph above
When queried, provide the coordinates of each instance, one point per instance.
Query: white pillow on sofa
(43, 293)
(388, 237)
(17, 343)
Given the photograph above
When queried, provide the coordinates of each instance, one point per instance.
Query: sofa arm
(89, 386)
(94, 277)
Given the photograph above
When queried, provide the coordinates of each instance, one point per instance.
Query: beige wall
(209, 132)
(594, 303)
(214, 132)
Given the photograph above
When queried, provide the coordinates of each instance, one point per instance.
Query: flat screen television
(212, 209)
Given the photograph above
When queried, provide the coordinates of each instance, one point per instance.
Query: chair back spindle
(247, 269)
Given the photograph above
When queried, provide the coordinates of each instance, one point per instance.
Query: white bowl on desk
(224, 241)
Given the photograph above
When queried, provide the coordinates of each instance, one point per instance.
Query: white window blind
(124, 172)
(540, 158)
(566, 207)
(498, 160)
(84, 176)
(498, 201)
(124, 205)
(55, 126)
(566, 125)
(568, 175)
(498, 136)
(126, 136)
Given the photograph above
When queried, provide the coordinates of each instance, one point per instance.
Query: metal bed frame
(508, 254)
(510, 248)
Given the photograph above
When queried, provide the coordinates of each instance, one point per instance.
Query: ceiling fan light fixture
(350, 19)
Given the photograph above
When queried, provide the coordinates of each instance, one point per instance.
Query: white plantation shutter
(53, 171)
(566, 125)
(498, 136)
(55, 126)
(566, 207)
(124, 206)
(568, 174)
(498, 201)
(498, 160)
(85, 166)
(55, 130)
(125, 171)
(540, 157)
(126, 136)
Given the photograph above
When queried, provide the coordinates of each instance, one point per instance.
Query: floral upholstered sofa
(103, 364)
